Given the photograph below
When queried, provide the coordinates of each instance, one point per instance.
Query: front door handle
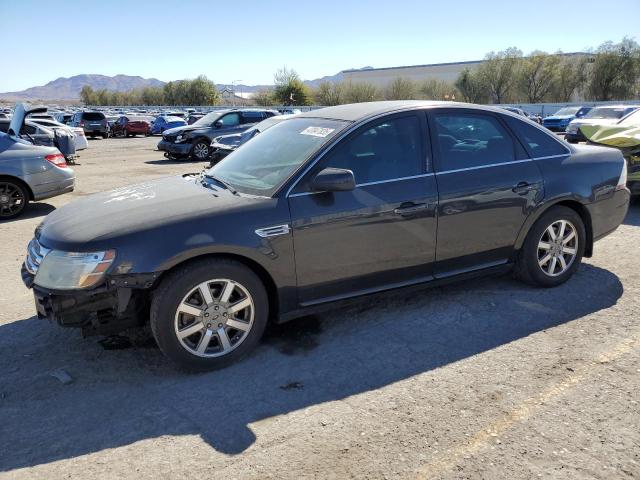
(523, 188)
(410, 208)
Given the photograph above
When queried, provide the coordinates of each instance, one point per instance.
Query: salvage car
(95, 124)
(333, 204)
(194, 141)
(600, 116)
(559, 121)
(162, 123)
(130, 126)
(29, 172)
(63, 139)
(80, 138)
(624, 135)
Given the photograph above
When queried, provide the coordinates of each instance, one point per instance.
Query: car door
(487, 187)
(378, 235)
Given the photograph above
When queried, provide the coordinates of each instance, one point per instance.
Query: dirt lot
(487, 379)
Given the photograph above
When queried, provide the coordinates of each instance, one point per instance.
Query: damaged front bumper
(120, 303)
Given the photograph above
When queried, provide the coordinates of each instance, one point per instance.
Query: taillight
(57, 159)
(622, 181)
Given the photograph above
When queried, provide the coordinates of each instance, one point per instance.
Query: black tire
(125, 134)
(527, 267)
(105, 135)
(14, 198)
(201, 150)
(571, 140)
(179, 283)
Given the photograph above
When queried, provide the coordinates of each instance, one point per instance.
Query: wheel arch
(264, 275)
(573, 204)
(21, 182)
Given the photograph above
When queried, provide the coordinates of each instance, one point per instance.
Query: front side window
(467, 140)
(230, 120)
(260, 166)
(384, 150)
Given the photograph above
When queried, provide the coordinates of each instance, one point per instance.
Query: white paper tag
(317, 131)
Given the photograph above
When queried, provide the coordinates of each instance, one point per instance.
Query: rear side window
(93, 116)
(385, 150)
(540, 143)
(467, 140)
(252, 117)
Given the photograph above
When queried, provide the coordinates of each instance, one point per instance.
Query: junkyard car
(559, 121)
(194, 141)
(27, 171)
(336, 203)
(598, 116)
(624, 135)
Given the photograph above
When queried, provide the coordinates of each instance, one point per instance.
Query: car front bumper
(575, 136)
(177, 149)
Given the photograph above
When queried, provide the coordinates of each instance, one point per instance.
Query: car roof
(357, 111)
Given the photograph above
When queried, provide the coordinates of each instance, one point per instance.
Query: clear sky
(248, 40)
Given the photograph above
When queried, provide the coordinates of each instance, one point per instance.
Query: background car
(163, 122)
(94, 123)
(604, 115)
(559, 121)
(194, 141)
(130, 126)
(80, 138)
(27, 171)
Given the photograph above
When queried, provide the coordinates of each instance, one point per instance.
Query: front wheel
(553, 249)
(200, 150)
(209, 314)
(13, 199)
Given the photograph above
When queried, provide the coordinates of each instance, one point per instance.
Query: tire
(571, 140)
(125, 134)
(531, 266)
(14, 199)
(181, 289)
(200, 150)
(105, 135)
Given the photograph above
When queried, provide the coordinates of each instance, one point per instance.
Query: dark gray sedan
(333, 204)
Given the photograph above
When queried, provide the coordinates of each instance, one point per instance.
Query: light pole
(233, 84)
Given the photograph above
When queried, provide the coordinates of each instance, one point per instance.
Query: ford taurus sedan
(336, 203)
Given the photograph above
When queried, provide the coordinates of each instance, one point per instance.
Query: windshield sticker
(317, 131)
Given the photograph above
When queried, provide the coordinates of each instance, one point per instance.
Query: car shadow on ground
(34, 210)
(119, 397)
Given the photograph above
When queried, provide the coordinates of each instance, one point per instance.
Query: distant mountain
(69, 88)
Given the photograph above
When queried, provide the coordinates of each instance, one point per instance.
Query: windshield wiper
(221, 182)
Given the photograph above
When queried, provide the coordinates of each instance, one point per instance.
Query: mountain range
(68, 89)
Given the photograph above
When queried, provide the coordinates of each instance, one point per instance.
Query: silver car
(29, 172)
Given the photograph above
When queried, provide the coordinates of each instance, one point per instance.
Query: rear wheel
(553, 249)
(13, 199)
(209, 314)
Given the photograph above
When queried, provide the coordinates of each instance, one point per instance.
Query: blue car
(162, 123)
(559, 121)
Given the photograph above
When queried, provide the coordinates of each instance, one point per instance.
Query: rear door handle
(524, 187)
(410, 209)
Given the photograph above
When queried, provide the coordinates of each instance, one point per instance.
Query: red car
(128, 125)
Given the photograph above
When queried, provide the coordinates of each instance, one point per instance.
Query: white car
(604, 115)
(80, 139)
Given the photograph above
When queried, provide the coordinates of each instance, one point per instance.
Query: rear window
(540, 143)
(93, 116)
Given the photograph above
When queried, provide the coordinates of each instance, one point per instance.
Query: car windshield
(209, 118)
(262, 164)
(567, 111)
(605, 112)
(632, 119)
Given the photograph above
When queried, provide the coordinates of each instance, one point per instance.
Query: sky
(247, 41)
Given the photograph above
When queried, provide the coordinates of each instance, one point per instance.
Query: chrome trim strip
(491, 165)
(274, 231)
(366, 184)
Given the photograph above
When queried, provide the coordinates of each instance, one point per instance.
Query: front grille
(35, 255)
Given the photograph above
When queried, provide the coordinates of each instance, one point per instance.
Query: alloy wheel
(201, 150)
(12, 199)
(557, 248)
(214, 318)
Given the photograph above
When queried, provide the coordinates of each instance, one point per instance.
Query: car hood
(595, 121)
(106, 220)
(559, 117)
(232, 140)
(614, 135)
(184, 129)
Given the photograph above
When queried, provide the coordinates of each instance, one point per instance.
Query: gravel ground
(486, 379)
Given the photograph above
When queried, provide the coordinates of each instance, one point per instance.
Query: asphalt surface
(485, 379)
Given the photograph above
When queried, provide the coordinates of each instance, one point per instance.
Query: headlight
(181, 138)
(572, 128)
(68, 270)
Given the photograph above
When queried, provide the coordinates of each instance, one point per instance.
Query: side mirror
(333, 180)
(218, 123)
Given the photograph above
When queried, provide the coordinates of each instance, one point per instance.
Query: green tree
(329, 93)
(290, 89)
(570, 77)
(360, 92)
(536, 76)
(88, 96)
(471, 87)
(263, 97)
(434, 89)
(498, 73)
(400, 88)
(615, 71)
